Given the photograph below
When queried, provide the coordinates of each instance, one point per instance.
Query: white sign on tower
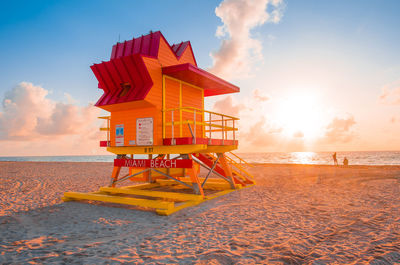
(119, 135)
(144, 131)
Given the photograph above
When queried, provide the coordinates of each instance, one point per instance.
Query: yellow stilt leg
(115, 175)
(227, 169)
(193, 174)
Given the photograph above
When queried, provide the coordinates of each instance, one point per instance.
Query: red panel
(180, 48)
(207, 141)
(117, 80)
(206, 160)
(128, 48)
(120, 50)
(154, 44)
(137, 81)
(105, 76)
(126, 65)
(129, 69)
(154, 163)
(184, 141)
(175, 47)
(211, 84)
(104, 143)
(145, 44)
(96, 72)
(137, 45)
(113, 52)
(102, 84)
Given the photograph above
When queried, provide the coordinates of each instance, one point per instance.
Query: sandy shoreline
(297, 214)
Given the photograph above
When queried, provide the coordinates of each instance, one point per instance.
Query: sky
(314, 75)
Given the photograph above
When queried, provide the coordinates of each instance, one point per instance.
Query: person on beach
(345, 162)
(334, 159)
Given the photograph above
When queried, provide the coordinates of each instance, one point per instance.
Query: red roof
(211, 84)
(125, 77)
(112, 74)
(146, 45)
(180, 48)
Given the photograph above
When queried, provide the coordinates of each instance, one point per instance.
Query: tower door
(178, 95)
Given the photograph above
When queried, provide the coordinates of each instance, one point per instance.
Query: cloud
(391, 94)
(239, 50)
(29, 115)
(339, 130)
(298, 134)
(258, 96)
(227, 106)
(261, 135)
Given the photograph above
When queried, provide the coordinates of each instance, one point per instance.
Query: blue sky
(345, 52)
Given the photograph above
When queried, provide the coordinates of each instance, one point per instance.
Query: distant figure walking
(345, 162)
(334, 159)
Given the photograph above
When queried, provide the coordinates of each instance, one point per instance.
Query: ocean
(316, 158)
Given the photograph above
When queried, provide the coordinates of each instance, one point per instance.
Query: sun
(300, 115)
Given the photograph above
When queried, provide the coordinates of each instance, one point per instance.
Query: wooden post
(114, 176)
(227, 169)
(193, 173)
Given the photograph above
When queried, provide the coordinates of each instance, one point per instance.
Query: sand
(294, 215)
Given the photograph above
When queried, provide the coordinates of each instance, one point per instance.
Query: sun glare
(300, 116)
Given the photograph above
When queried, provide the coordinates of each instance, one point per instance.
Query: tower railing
(107, 129)
(209, 124)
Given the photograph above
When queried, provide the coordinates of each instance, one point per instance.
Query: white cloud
(239, 50)
(29, 115)
(260, 96)
(227, 106)
(339, 130)
(391, 94)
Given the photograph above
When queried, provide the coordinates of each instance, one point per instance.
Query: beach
(296, 214)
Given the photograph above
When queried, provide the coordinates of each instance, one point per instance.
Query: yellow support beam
(177, 208)
(158, 194)
(116, 199)
(208, 185)
(185, 122)
(241, 160)
(220, 148)
(104, 129)
(142, 186)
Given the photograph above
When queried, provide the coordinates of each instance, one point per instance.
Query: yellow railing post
(220, 125)
(108, 131)
(209, 122)
(172, 128)
(180, 110)
(233, 125)
(194, 125)
(222, 119)
(163, 107)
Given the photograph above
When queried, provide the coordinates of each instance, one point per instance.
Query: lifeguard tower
(155, 95)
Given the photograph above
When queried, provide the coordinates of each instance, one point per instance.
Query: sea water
(316, 158)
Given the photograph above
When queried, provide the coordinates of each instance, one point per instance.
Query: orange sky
(310, 81)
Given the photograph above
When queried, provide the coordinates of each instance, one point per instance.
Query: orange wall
(167, 57)
(155, 95)
(191, 97)
(172, 97)
(187, 57)
(128, 119)
(182, 96)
